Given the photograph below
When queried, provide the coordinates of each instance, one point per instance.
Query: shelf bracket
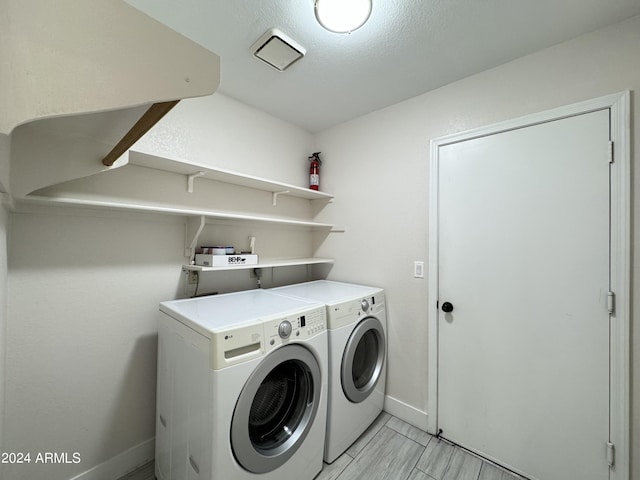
(191, 178)
(275, 196)
(194, 228)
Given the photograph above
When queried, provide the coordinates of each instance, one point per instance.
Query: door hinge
(611, 302)
(610, 152)
(611, 454)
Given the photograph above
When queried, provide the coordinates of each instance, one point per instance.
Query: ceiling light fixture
(342, 16)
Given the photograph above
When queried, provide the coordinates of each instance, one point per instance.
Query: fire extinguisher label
(314, 179)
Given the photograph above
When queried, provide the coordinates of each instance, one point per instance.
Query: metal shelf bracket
(191, 178)
(193, 229)
(275, 196)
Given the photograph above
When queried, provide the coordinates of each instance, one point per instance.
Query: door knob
(447, 307)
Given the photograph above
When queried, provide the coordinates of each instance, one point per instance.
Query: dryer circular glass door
(276, 409)
(363, 360)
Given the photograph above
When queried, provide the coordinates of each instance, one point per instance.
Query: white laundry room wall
(378, 166)
(5, 142)
(222, 132)
(84, 289)
(5, 155)
(4, 219)
(83, 293)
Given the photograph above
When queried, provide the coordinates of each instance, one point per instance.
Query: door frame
(620, 260)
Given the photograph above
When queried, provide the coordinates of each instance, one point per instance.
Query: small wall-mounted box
(208, 260)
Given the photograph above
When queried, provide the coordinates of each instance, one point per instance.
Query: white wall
(5, 162)
(82, 336)
(4, 222)
(84, 288)
(222, 132)
(3, 319)
(377, 166)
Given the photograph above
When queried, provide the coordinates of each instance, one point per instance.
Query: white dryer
(357, 323)
(242, 388)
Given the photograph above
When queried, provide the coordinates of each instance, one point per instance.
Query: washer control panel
(300, 326)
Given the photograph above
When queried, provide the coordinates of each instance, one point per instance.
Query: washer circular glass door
(276, 409)
(363, 359)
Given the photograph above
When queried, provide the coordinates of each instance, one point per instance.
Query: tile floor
(394, 450)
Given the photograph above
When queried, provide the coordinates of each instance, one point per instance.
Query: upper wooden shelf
(226, 176)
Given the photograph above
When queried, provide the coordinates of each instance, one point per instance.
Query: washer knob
(364, 304)
(284, 329)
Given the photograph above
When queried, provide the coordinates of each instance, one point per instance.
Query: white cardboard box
(208, 260)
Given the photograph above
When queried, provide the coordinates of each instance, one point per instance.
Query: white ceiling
(407, 47)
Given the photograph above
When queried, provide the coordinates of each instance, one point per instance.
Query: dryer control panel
(346, 313)
(372, 303)
(300, 326)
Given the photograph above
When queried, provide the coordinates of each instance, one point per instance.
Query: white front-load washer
(242, 388)
(357, 326)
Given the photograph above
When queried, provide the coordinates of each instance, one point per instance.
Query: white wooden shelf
(208, 214)
(193, 171)
(265, 263)
(118, 189)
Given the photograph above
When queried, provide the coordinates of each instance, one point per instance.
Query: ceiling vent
(277, 49)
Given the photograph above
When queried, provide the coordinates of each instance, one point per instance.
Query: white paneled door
(523, 282)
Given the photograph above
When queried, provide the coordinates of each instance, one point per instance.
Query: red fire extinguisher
(314, 171)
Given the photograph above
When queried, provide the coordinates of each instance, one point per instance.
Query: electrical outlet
(193, 277)
(255, 272)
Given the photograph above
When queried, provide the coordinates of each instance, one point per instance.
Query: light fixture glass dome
(342, 16)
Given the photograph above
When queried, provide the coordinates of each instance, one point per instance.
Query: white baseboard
(406, 412)
(122, 463)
